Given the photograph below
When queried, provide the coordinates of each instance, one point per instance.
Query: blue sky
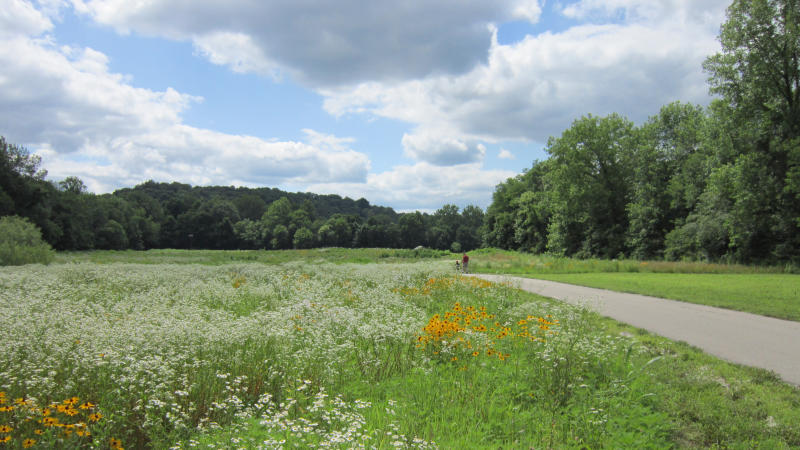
(408, 104)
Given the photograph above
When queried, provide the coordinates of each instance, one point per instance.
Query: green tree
(412, 230)
(73, 185)
(303, 238)
(589, 186)
(470, 229)
(278, 213)
(250, 206)
(249, 233)
(21, 243)
(757, 75)
(446, 221)
(669, 173)
(112, 236)
(280, 238)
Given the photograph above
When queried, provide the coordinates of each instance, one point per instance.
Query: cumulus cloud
(65, 104)
(18, 17)
(440, 148)
(324, 43)
(424, 186)
(505, 154)
(535, 88)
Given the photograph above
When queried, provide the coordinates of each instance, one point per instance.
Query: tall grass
(335, 255)
(503, 261)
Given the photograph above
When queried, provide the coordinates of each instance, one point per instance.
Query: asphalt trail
(735, 336)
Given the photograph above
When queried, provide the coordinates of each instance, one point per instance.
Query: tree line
(175, 215)
(715, 183)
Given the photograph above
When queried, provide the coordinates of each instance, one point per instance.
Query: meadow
(396, 350)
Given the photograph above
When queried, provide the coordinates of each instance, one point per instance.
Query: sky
(411, 104)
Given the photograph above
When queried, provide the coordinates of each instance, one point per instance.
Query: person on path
(465, 263)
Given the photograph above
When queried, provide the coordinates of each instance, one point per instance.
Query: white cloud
(66, 105)
(323, 43)
(535, 88)
(424, 186)
(18, 17)
(505, 154)
(441, 148)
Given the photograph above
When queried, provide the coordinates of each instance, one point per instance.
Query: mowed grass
(771, 291)
(771, 295)
(305, 354)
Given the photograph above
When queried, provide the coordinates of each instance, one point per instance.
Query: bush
(21, 243)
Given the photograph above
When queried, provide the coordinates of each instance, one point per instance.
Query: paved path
(735, 336)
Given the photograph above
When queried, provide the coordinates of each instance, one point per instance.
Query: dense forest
(175, 215)
(716, 183)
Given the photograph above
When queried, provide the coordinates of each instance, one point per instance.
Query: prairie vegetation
(312, 353)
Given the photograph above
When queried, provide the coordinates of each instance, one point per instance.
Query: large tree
(757, 75)
(589, 186)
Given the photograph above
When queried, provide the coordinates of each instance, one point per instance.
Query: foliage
(21, 243)
(715, 184)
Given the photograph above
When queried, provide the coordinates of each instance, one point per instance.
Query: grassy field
(219, 257)
(769, 291)
(510, 262)
(775, 295)
(311, 352)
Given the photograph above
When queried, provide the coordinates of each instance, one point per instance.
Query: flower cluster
(475, 332)
(67, 423)
(433, 284)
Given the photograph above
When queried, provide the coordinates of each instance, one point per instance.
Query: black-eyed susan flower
(94, 417)
(28, 443)
(38, 432)
(49, 421)
(5, 429)
(5, 439)
(115, 443)
(6, 408)
(87, 405)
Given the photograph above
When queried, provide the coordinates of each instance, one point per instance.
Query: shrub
(21, 243)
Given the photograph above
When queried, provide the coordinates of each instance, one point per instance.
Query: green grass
(510, 262)
(771, 291)
(219, 257)
(774, 295)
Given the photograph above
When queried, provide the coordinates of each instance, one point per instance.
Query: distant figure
(465, 263)
(458, 266)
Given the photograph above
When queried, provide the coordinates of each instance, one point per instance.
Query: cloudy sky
(411, 104)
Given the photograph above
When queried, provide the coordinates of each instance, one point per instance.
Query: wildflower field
(405, 354)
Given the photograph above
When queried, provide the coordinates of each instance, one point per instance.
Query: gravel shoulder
(735, 336)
